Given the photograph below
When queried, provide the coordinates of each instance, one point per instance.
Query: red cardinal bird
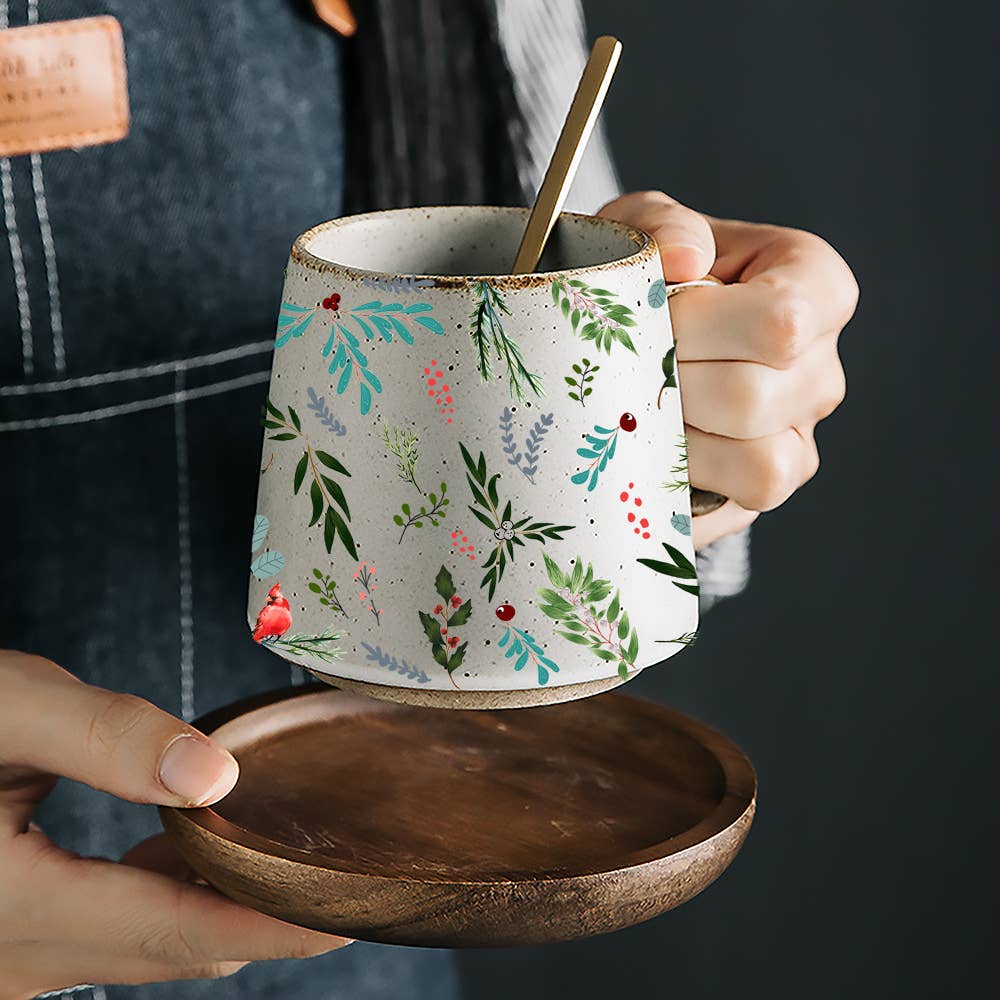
(275, 617)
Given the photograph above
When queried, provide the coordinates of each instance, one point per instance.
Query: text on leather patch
(62, 85)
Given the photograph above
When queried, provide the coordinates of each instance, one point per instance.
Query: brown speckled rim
(645, 250)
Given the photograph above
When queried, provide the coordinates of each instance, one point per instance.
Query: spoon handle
(569, 149)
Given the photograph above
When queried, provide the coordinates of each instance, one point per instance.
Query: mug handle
(702, 501)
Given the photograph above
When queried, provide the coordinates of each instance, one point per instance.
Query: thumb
(54, 723)
(684, 237)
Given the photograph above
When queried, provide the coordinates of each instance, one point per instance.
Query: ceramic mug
(473, 488)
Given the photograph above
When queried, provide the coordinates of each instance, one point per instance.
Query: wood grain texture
(447, 828)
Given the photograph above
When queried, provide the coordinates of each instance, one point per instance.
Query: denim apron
(138, 291)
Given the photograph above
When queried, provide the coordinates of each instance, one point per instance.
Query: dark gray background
(848, 672)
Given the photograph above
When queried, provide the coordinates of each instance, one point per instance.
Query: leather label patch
(62, 85)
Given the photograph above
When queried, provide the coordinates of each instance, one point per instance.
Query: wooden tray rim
(737, 806)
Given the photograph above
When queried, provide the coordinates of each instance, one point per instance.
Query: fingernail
(196, 771)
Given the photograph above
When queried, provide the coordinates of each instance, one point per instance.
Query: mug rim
(645, 250)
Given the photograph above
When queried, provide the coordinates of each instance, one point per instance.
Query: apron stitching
(74, 989)
(184, 551)
(17, 258)
(51, 267)
(89, 416)
(146, 371)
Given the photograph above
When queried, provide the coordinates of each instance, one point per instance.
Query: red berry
(335, 297)
(623, 497)
(505, 612)
(627, 422)
(631, 517)
(326, 303)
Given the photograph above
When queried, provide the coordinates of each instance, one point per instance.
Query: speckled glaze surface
(473, 485)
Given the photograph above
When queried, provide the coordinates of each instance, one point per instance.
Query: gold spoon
(580, 121)
(562, 168)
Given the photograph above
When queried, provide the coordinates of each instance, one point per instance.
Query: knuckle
(843, 287)
(789, 322)
(833, 391)
(160, 937)
(774, 479)
(811, 463)
(753, 394)
(120, 715)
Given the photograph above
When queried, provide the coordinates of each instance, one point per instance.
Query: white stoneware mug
(473, 488)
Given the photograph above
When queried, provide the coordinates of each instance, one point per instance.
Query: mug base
(527, 698)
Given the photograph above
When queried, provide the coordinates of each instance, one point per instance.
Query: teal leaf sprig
(657, 293)
(293, 321)
(575, 606)
(681, 523)
(270, 561)
(490, 340)
(371, 321)
(604, 319)
(410, 518)
(400, 666)
(507, 533)
(598, 451)
(679, 566)
(324, 585)
(449, 613)
(319, 646)
(403, 445)
(526, 649)
(580, 381)
(325, 493)
(669, 366)
(680, 470)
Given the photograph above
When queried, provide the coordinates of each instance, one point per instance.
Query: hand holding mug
(758, 358)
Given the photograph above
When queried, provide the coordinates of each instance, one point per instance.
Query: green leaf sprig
(574, 605)
(314, 646)
(680, 470)
(669, 373)
(603, 317)
(451, 613)
(507, 533)
(326, 587)
(325, 493)
(580, 381)
(410, 518)
(680, 567)
(490, 339)
(403, 444)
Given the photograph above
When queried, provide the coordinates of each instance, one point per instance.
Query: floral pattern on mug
(388, 386)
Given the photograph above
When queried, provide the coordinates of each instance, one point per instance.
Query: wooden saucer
(422, 826)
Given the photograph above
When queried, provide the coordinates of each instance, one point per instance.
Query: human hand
(65, 919)
(758, 362)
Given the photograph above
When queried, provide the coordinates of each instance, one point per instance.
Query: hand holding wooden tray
(447, 828)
